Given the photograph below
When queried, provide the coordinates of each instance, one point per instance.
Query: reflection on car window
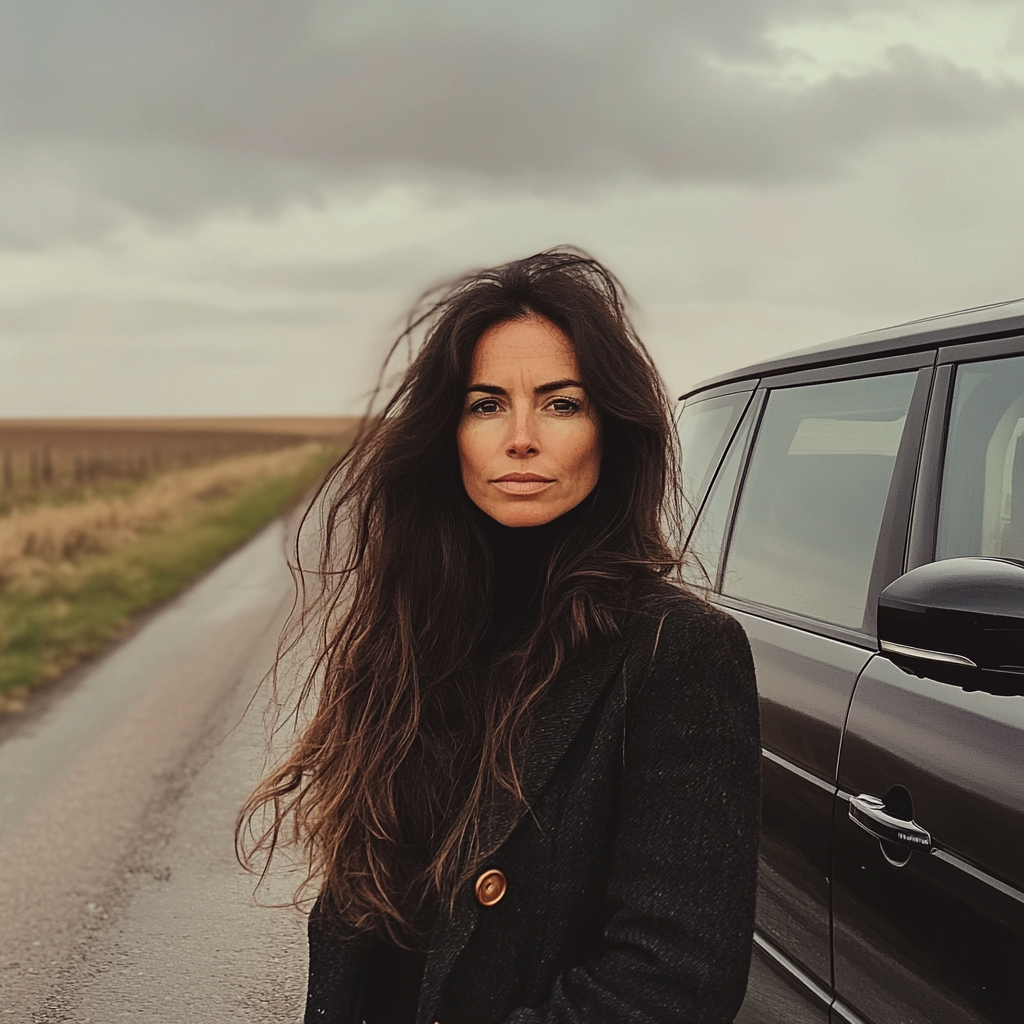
(705, 542)
(810, 512)
(982, 507)
(705, 427)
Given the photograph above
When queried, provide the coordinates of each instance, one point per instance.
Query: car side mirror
(960, 621)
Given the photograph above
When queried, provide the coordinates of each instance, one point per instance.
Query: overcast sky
(224, 206)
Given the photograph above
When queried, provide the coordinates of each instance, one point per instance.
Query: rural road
(120, 897)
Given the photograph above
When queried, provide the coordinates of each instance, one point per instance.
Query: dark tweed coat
(631, 883)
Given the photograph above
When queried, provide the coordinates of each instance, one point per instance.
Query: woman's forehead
(533, 348)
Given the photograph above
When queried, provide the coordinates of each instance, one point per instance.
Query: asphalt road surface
(120, 897)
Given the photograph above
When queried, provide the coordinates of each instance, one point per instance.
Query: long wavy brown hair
(406, 739)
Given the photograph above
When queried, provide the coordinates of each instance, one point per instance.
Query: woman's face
(529, 440)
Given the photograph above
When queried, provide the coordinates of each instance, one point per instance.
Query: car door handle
(869, 812)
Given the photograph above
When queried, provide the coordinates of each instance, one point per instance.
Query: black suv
(860, 510)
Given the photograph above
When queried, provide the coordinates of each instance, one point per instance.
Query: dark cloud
(173, 106)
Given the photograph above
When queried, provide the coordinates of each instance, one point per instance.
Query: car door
(825, 479)
(935, 932)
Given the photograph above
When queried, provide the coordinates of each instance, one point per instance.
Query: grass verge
(62, 616)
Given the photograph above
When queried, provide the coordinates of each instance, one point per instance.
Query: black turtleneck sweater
(520, 555)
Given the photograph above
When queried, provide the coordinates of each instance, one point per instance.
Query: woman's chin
(524, 513)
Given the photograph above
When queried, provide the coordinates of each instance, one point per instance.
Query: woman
(528, 787)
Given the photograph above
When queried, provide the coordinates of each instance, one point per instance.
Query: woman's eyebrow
(556, 385)
(540, 389)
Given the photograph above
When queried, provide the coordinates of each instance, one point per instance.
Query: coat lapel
(560, 715)
(563, 710)
(450, 937)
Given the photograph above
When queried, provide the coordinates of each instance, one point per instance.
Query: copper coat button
(490, 887)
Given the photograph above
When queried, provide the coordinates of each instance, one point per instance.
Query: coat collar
(560, 715)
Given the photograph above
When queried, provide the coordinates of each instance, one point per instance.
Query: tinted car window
(982, 507)
(808, 519)
(706, 540)
(704, 430)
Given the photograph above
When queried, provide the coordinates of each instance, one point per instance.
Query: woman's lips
(522, 483)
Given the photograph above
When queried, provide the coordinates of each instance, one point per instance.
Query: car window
(705, 427)
(981, 511)
(705, 543)
(809, 515)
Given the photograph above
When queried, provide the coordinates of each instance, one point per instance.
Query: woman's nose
(523, 441)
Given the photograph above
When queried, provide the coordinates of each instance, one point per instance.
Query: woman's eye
(566, 406)
(486, 406)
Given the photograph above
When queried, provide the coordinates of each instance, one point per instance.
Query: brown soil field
(303, 426)
(38, 455)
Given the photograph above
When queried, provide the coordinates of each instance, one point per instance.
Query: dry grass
(37, 541)
(73, 576)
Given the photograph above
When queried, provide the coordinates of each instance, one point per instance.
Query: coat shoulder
(685, 649)
(671, 618)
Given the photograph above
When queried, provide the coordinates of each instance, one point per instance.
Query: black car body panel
(892, 859)
(941, 937)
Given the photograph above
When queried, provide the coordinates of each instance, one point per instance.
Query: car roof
(977, 323)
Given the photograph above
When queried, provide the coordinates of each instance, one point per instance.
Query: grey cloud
(57, 187)
(399, 269)
(139, 319)
(175, 106)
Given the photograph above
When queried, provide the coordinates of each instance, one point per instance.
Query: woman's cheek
(585, 447)
(467, 452)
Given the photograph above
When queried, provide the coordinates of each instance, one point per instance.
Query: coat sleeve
(679, 906)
